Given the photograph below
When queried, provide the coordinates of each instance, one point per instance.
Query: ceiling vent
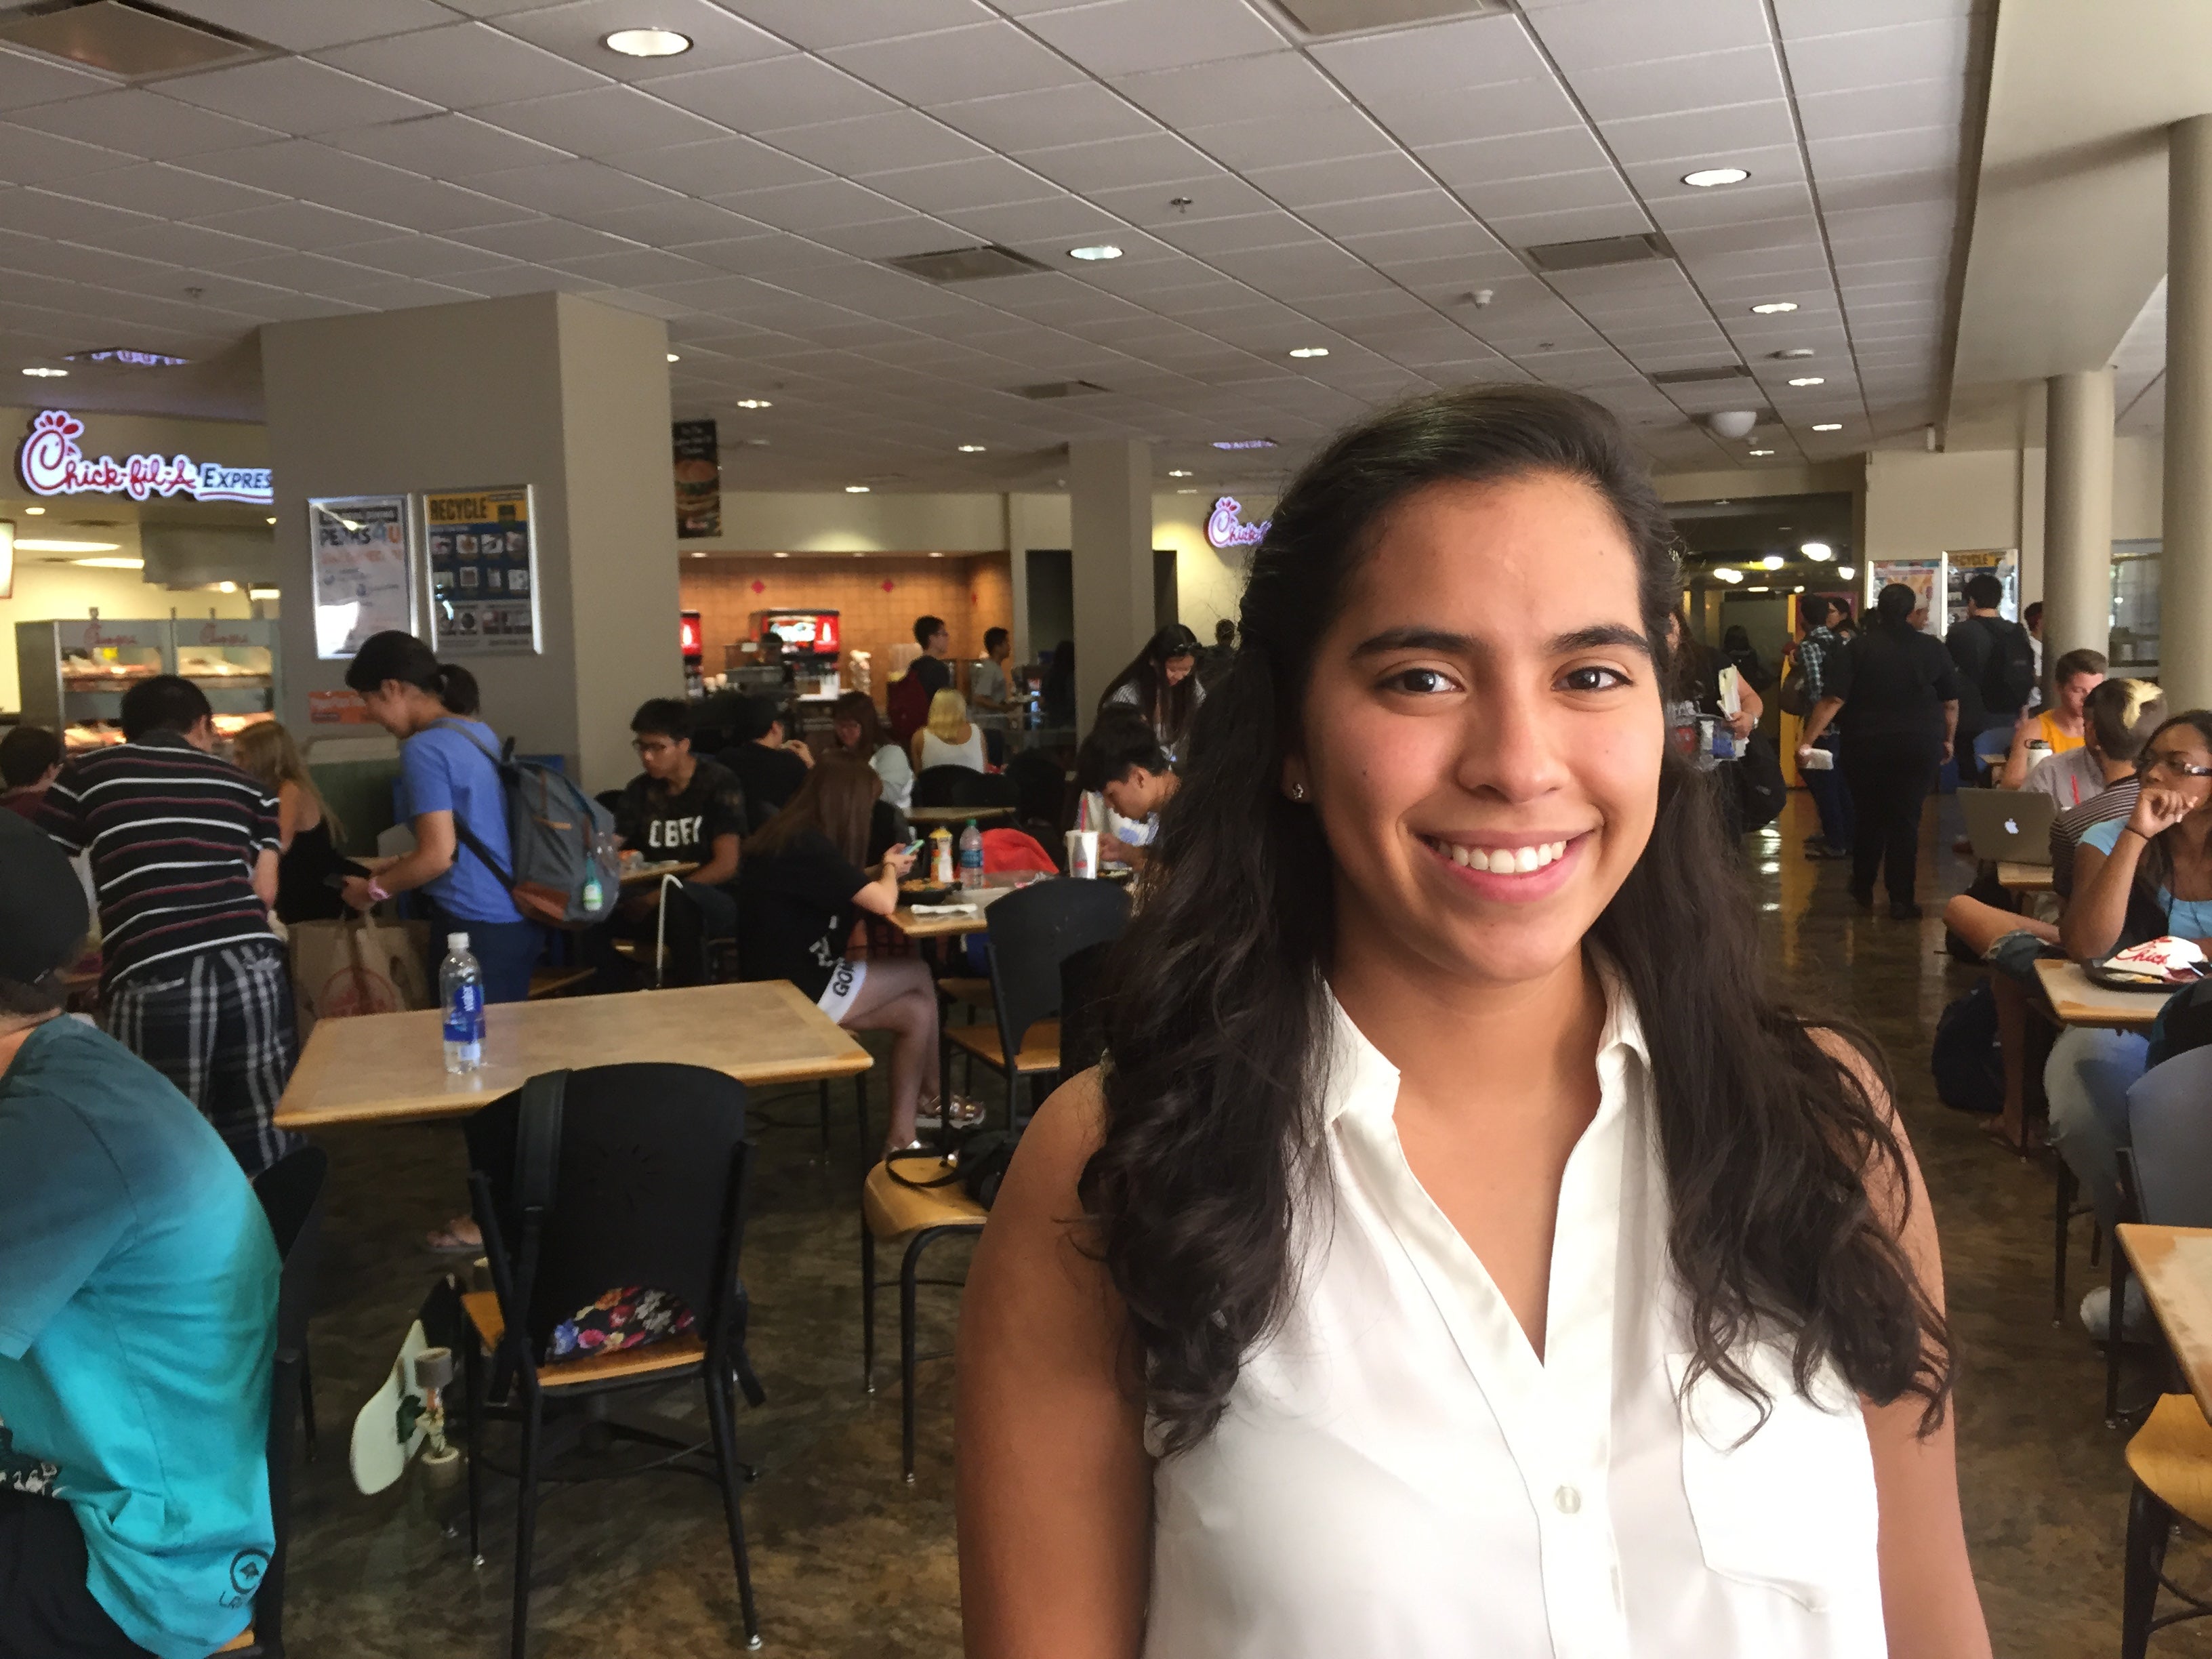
(1599, 251)
(1700, 376)
(966, 265)
(128, 40)
(1059, 389)
(1323, 17)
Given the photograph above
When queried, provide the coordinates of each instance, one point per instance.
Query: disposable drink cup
(1083, 854)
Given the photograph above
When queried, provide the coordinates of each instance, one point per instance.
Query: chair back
(588, 1181)
(682, 936)
(962, 785)
(1041, 789)
(1032, 931)
(291, 1194)
(1083, 1007)
(2170, 1126)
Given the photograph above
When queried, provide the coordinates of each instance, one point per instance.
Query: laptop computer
(2008, 825)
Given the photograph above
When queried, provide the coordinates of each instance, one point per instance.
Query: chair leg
(472, 1370)
(2115, 1337)
(907, 1358)
(867, 1308)
(861, 1106)
(719, 1418)
(825, 1114)
(2062, 1215)
(525, 1523)
(2149, 1521)
(2096, 1242)
(308, 1401)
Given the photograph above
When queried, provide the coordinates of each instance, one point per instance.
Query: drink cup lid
(457, 941)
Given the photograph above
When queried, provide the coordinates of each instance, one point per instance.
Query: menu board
(364, 572)
(698, 480)
(483, 572)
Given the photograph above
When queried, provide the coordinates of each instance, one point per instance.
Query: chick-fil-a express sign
(1225, 530)
(50, 464)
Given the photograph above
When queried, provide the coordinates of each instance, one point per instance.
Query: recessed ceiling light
(1774, 308)
(1706, 178)
(1845, 572)
(673, 358)
(856, 490)
(1725, 574)
(783, 555)
(971, 449)
(1179, 472)
(1244, 443)
(264, 592)
(47, 373)
(114, 563)
(1819, 552)
(1758, 590)
(1827, 426)
(1762, 452)
(754, 403)
(34, 511)
(1808, 379)
(1095, 250)
(935, 554)
(696, 554)
(60, 545)
(1796, 590)
(272, 518)
(648, 43)
(1792, 355)
(1308, 351)
(1771, 562)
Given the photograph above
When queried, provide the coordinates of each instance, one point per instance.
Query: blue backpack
(555, 831)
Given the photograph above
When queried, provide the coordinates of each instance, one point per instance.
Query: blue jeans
(505, 951)
(1831, 798)
(2087, 1082)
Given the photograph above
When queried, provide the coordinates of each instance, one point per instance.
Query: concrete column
(1109, 485)
(566, 396)
(2077, 513)
(2185, 622)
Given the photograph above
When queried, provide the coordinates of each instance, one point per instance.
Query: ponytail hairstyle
(1218, 1021)
(457, 690)
(1893, 607)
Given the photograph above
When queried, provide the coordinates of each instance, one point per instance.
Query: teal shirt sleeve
(2103, 836)
(58, 1227)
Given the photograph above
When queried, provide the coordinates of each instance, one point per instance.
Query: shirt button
(1568, 1500)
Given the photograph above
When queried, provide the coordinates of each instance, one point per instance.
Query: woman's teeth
(1503, 860)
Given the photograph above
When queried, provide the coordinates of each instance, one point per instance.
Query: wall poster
(364, 569)
(698, 480)
(483, 571)
(1928, 579)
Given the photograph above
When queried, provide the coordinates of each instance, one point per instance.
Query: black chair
(1040, 796)
(684, 954)
(585, 1181)
(962, 785)
(1082, 1007)
(1032, 931)
(291, 1194)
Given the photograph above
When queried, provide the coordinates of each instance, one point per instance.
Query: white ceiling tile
(1883, 109)
(676, 222)
(164, 191)
(301, 225)
(1416, 210)
(981, 61)
(1745, 204)
(1808, 17)
(1282, 84)
(1313, 184)
(1500, 111)
(144, 123)
(1708, 137)
(424, 256)
(633, 267)
(1747, 75)
(811, 207)
(852, 148)
(34, 158)
(68, 218)
(1285, 140)
(1558, 193)
(890, 239)
(294, 94)
(564, 187)
(717, 167)
(1127, 37)
(1530, 154)
(1571, 225)
(1445, 60)
(461, 66)
(445, 146)
(309, 273)
(784, 92)
(577, 31)
(310, 171)
(818, 27)
(27, 79)
(1206, 237)
(1152, 158)
(979, 181)
(299, 28)
(1155, 206)
(1085, 113)
(544, 240)
(1871, 58)
(193, 246)
(1606, 33)
(1474, 248)
(605, 120)
(1888, 191)
(1912, 150)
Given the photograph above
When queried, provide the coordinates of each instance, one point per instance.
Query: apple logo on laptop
(2011, 828)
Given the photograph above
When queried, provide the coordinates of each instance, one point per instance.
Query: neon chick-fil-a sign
(1224, 529)
(50, 464)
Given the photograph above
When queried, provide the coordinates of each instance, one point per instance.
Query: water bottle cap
(457, 941)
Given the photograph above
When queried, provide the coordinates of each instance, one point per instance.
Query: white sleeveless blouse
(1398, 1474)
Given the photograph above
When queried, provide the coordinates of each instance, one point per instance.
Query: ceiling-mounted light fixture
(1845, 571)
(1819, 552)
(673, 358)
(1179, 472)
(47, 373)
(1244, 443)
(1759, 451)
(62, 544)
(971, 449)
(1771, 562)
(1095, 250)
(1793, 353)
(856, 490)
(1706, 178)
(1725, 574)
(1730, 422)
(648, 43)
(753, 403)
(1827, 426)
(108, 563)
(1808, 380)
(1308, 351)
(1773, 307)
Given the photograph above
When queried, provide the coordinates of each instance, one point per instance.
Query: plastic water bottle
(971, 856)
(460, 993)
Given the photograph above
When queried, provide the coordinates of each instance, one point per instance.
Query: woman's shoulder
(2103, 836)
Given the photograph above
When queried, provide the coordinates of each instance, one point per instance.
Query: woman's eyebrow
(1447, 644)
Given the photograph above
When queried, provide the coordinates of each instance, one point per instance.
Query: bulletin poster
(483, 572)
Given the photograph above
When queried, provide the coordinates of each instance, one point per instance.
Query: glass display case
(73, 674)
(234, 660)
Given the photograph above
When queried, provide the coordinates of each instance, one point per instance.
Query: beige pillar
(1110, 484)
(565, 395)
(2077, 513)
(2185, 622)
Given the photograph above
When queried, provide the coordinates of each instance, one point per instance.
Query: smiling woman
(1461, 1251)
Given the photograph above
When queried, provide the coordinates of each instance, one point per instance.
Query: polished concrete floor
(850, 1561)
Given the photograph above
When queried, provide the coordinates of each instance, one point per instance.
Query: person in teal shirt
(138, 1324)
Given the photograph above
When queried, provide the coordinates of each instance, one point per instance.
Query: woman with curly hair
(1461, 1249)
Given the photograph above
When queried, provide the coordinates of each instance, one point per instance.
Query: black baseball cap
(43, 915)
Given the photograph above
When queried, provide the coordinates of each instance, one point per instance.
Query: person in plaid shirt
(1829, 795)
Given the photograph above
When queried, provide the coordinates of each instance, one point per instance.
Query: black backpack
(1968, 1064)
(2009, 673)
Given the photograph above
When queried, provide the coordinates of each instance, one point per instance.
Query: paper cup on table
(1083, 854)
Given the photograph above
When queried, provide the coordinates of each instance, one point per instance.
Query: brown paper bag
(358, 966)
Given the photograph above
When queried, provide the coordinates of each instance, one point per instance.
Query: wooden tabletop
(391, 1068)
(915, 927)
(2077, 1001)
(2023, 878)
(2175, 1265)
(955, 814)
(643, 872)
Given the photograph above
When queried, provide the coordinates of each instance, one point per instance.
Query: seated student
(799, 889)
(1122, 761)
(30, 760)
(138, 1324)
(860, 730)
(2119, 716)
(682, 808)
(2073, 677)
(770, 765)
(949, 739)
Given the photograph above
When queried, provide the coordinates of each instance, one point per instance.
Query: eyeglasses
(651, 745)
(2174, 765)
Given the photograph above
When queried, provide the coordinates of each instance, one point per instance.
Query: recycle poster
(483, 571)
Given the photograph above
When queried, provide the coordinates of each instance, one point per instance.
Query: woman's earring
(1297, 792)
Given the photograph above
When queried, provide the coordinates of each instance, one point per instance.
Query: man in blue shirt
(138, 1324)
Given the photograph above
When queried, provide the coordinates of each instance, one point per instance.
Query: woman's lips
(1528, 868)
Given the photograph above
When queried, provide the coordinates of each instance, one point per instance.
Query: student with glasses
(683, 808)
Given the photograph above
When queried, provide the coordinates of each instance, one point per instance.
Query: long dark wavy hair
(1168, 707)
(1218, 1030)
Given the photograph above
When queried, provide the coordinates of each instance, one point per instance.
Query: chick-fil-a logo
(1225, 529)
(50, 464)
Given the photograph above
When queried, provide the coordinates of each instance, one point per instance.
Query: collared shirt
(1398, 1472)
(1812, 661)
(172, 835)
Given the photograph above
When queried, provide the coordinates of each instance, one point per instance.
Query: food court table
(391, 1068)
(2175, 1265)
(955, 814)
(644, 872)
(2023, 878)
(2077, 1001)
